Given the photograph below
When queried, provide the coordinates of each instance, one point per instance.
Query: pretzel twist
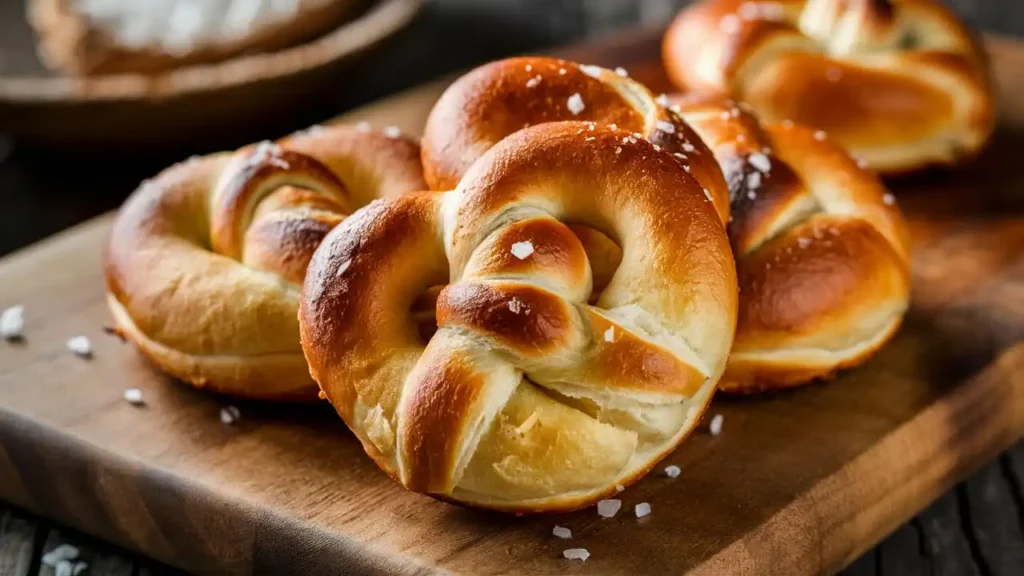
(900, 83)
(526, 398)
(205, 261)
(822, 251)
(491, 102)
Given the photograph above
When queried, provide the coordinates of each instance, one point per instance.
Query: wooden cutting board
(797, 483)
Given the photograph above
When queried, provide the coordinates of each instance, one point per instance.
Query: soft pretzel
(499, 98)
(820, 246)
(900, 83)
(526, 398)
(206, 261)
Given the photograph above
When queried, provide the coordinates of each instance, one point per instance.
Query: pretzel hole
(424, 312)
(604, 254)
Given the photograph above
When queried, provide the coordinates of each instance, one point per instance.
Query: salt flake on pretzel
(205, 261)
(900, 83)
(527, 398)
(499, 98)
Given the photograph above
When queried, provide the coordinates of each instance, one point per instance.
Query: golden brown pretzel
(205, 262)
(526, 398)
(821, 249)
(499, 98)
(900, 83)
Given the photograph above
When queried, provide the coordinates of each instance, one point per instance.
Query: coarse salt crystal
(393, 132)
(619, 487)
(888, 199)
(364, 126)
(672, 471)
(686, 167)
(576, 104)
(80, 346)
(134, 396)
(229, 415)
(707, 194)
(576, 554)
(63, 568)
(609, 334)
(656, 148)
(516, 306)
(562, 532)
(679, 155)
(716, 424)
(688, 147)
(561, 71)
(61, 553)
(592, 71)
(820, 135)
(12, 322)
(642, 509)
(608, 507)
(618, 150)
(760, 161)
(751, 194)
(662, 100)
(529, 68)
(666, 127)
(729, 24)
(344, 266)
(754, 180)
(522, 250)
(533, 82)
(621, 72)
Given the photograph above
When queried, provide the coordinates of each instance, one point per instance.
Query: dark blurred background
(44, 189)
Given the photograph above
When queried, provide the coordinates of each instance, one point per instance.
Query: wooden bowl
(183, 104)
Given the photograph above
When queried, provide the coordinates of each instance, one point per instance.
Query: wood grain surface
(800, 482)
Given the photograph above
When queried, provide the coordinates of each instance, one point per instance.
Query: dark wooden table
(975, 529)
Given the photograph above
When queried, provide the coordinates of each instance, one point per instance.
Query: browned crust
(899, 109)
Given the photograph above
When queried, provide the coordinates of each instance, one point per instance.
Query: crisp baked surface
(497, 99)
(206, 260)
(822, 250)
(151, 36)
(901, 84)
(527, 398)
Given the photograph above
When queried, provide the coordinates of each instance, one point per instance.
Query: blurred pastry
(901, 84)
(150, 36)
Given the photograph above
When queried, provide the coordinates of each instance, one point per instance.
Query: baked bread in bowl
(91, 37)
(822, 250)
(206, 260)
(527, 398)
(901, 84)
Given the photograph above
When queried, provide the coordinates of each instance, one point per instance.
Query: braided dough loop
(821, 249)
(900, 83)
(491, 102)
(526, 398)
(205, 261)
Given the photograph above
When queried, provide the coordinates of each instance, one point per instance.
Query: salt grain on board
(80, 346)
(522, 250)
(642, 509)
(229, 415)
(575, 104)
(576, 554)
(608, 507)
(12, 323)
(562, 532)
(672, 471)
(716, 424)
(61, 553)
(134, 396)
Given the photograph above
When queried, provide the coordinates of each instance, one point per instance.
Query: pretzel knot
(526, 398)
(900, 83)
(821, 249)
(206, 260)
